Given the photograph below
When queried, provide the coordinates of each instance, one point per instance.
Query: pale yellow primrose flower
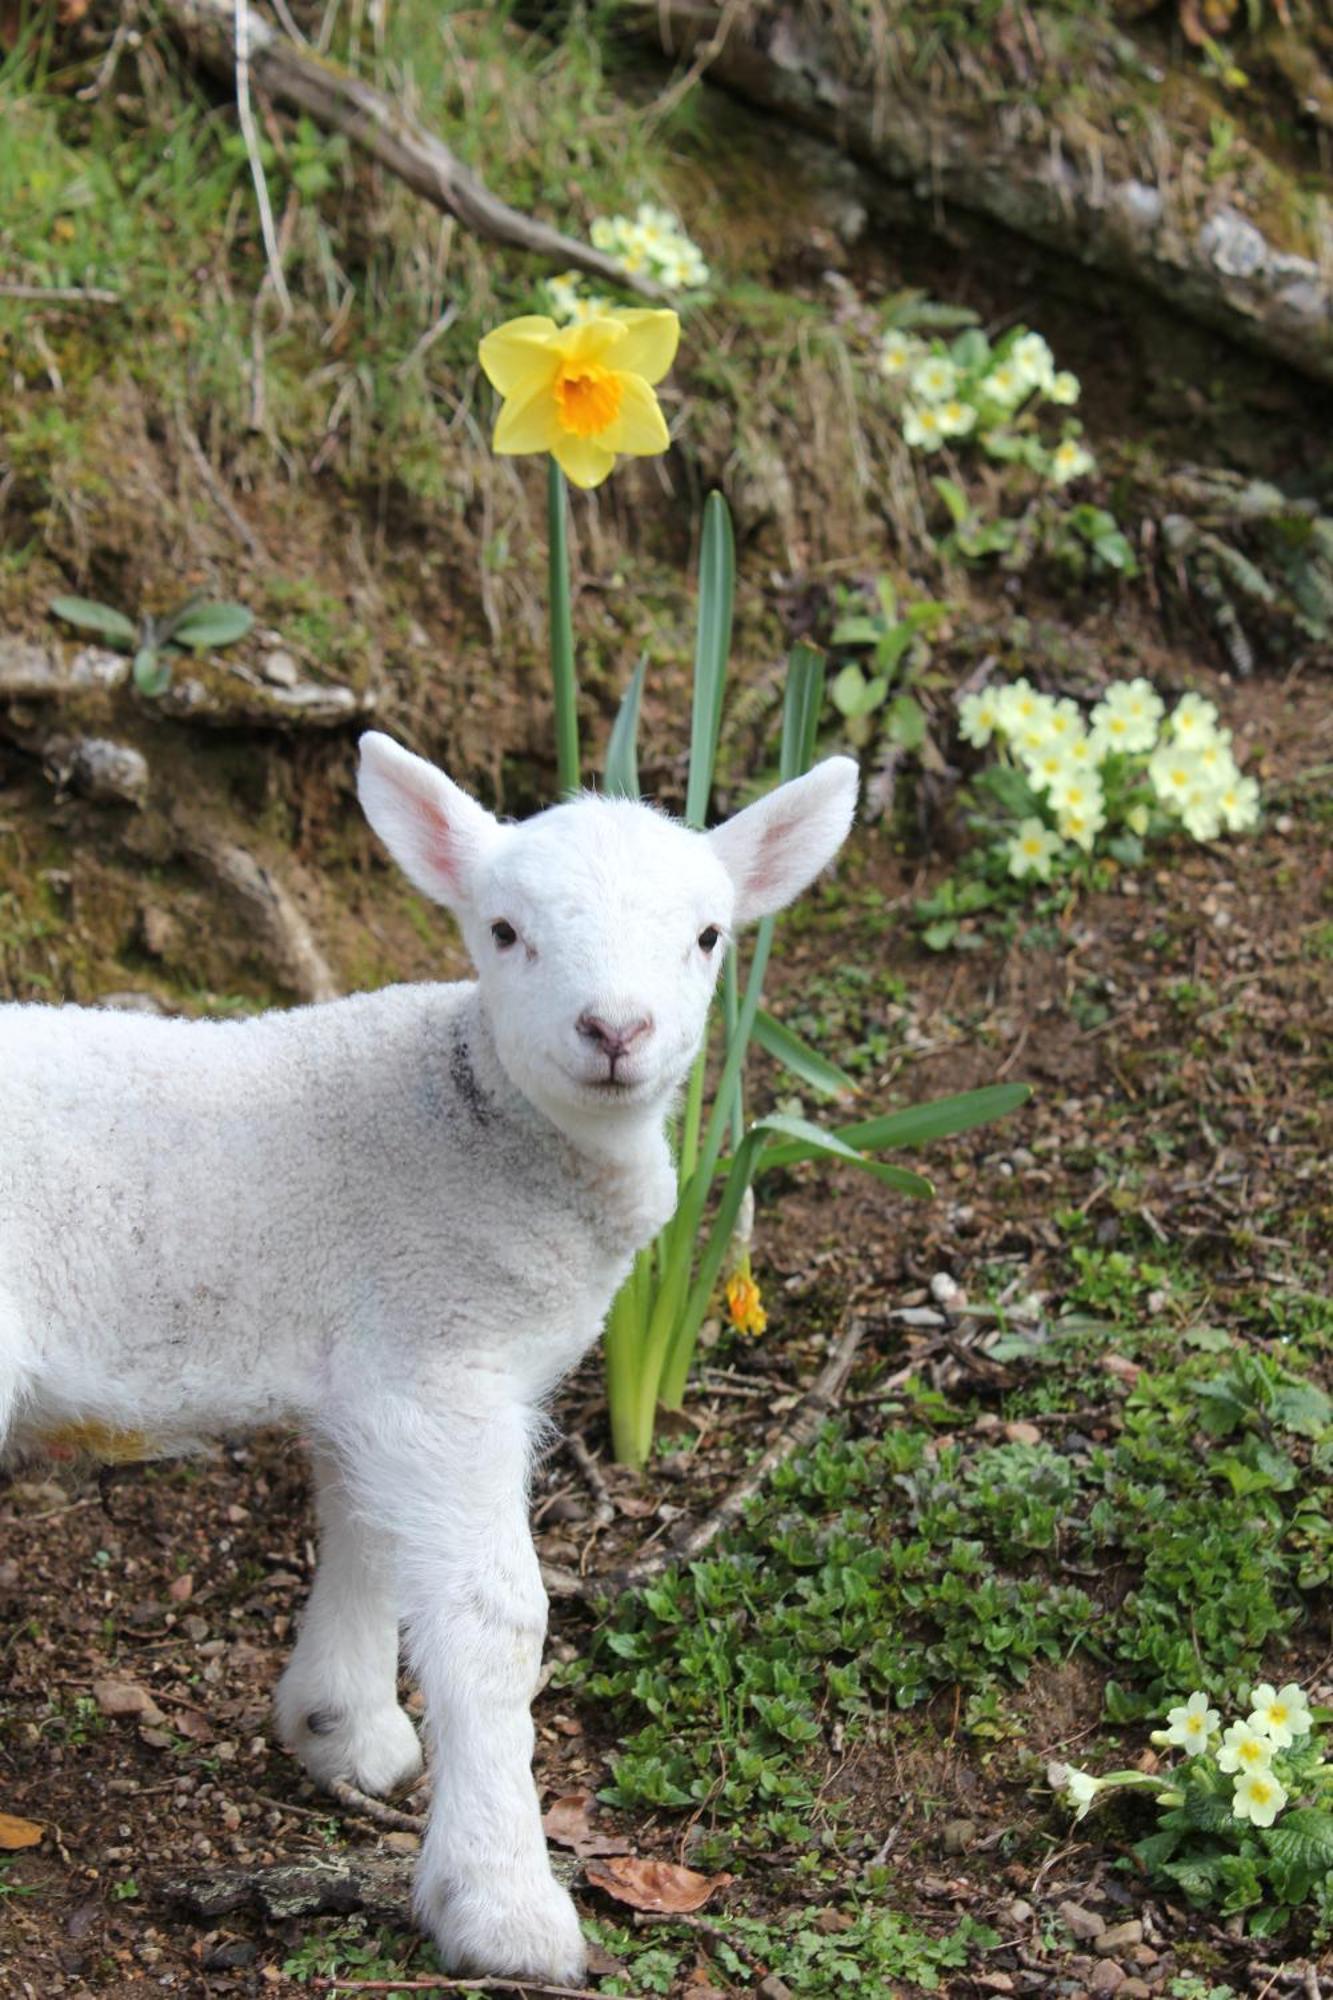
(1191, 1724)
(1033, 359)
(1072, 790)
(1217, 766)
(922, 427)
(1065, 724)
(956, 419)
(1082, 824)
(1070, 460)
(1245, 1749)
(1194, 721)
(934, 379)
(582, 393)
(1046, 764)
(1005, 384)
(1064, 388)
(1174, 775)
(1136, 819)
(1081, 1788)
(1258, 1797)
(897, 353)
(1282, 1714)
(1201, 816)
(1238, 804)
(978, 718)
(1127, 716)
(1032, 850)
(1021, 707)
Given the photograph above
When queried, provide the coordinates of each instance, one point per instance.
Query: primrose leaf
(203, 625)
(90, 616)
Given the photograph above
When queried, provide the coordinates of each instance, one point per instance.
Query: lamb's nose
(613, 1042)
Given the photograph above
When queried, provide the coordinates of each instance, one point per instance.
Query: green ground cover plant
(879, 1572)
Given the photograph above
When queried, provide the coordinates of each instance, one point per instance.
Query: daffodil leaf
(620, 779)
(717, 583)
(796, 1055)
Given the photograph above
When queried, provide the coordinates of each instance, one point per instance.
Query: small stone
(280, 669)
(1082, 1924)
(1106, 1978)
(125, 1698)
(1120, 1936)
(1022, 1433)
(1134, 1989)
(1017, 1912)
(958, 1835)
(773, 1988)
(180, 1589)
(400, 1841)
(9, 1576)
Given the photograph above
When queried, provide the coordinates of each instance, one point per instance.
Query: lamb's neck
(624, 1159)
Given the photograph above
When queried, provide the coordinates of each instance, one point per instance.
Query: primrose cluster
(1129, 765)
(650, 243)
(969, 387)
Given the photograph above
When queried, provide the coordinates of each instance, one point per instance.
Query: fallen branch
(1124, 195)
(60, 295)
(354, 1801)
(812, 1410)
(341, 102)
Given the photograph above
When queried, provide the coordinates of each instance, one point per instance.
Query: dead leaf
(654, 1885)
(567, 1822)
(194, 1727)
(16, 1833)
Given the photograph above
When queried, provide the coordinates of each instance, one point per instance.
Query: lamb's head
(598, 927)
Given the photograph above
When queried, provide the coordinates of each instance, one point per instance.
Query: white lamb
(396, 1221)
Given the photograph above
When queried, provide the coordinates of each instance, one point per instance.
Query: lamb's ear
(435, 832)
(780, 843)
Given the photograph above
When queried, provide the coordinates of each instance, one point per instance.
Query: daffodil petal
(599, 340)
(528, 422)
(639, 426)
(649, 347)
(585, 461)
(519, 353)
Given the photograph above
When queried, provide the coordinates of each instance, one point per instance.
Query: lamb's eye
(504, 934)
(708, 938)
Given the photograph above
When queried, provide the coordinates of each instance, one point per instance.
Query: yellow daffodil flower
(745, 1303)
(582, 392)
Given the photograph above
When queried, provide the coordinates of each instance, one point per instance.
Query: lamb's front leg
(453, 1492)
(337, 1703)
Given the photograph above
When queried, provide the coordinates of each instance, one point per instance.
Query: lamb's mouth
(614, 1089)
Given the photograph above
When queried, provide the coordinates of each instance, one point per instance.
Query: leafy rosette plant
(199, 624)
(1245, 1824)
(583, 394)
(1008, 401)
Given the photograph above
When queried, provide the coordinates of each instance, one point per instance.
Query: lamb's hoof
(374, 1749)
(527, 1930)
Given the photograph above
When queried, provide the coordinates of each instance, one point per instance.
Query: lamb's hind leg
(337, 1703)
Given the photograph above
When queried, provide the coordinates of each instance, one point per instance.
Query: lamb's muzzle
(394, 1221)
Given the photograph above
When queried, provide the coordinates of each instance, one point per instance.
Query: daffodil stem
(562, 634)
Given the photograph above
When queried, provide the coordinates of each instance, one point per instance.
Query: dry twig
(814, 1406)
(352, 1800)
(341, 102)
